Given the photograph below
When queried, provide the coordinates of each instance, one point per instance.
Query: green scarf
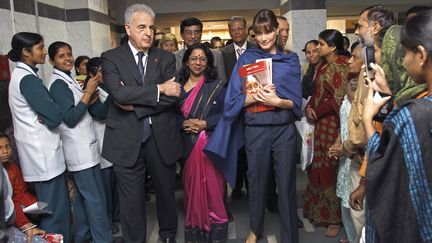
(392, 55)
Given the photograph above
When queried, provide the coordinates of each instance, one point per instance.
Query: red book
(254, 76)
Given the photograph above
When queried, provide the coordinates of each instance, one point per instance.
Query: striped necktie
(239, 52)
(146, 125)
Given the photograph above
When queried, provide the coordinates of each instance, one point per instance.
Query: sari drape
(322, 206)
(203, 183)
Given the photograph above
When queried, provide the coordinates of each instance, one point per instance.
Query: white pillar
(307, 19)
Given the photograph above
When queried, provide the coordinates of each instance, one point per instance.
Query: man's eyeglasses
(192, 32)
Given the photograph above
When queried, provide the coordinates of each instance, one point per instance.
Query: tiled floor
(238, 229)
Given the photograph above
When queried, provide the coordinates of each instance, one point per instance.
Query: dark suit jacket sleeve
(219, 63)
(168, 71)
(122, 93)
(230, 59)
(178, 57)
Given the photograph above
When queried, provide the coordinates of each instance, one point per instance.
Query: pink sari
(203, 183)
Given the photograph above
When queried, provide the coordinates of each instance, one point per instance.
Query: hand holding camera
(374, 106)
(375, 79)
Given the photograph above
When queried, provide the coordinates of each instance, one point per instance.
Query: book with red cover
(254, 76)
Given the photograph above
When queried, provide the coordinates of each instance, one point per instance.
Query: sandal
(252, 238)
(344, 240)
(333, 230)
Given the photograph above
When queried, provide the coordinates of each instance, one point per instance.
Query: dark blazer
(211, 115)
(124, 129)
(230, 59)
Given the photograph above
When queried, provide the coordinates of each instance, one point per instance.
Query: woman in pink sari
(201, 105)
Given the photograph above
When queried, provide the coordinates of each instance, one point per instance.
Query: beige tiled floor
(239, 227)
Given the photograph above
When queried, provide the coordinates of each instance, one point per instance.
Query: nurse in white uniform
(80, 145)
(36, 118)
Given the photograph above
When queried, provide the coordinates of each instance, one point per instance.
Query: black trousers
(266, 145)
(131, 189)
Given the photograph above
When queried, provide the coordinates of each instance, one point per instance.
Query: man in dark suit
(238, 32)
(141, 131)
(191, 32)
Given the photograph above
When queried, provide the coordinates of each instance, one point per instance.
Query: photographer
(398, 177)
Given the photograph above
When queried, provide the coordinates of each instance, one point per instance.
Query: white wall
(305, 25)
(85, 37)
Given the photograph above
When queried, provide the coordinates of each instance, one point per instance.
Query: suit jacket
(218, 62)
(230, 58)
(124, 129)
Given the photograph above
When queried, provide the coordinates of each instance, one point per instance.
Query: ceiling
(211, 19)
(214, 13)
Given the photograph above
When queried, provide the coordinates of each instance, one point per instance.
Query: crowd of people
(88, 141)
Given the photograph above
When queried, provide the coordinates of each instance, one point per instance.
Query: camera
(369, 58)
(385, 109)
(94, 70)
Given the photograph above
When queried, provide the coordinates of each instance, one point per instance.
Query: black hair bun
(13, 56)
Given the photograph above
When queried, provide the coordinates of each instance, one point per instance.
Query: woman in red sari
(201, 105)
(322, 206)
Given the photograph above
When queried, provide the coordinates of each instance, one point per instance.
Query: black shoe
(230, 216)
(118, 239)
(115, 229)
(219, 233)
(236, 194)
(299, 223)
(168, 240)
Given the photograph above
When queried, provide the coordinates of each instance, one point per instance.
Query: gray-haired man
(141, 131)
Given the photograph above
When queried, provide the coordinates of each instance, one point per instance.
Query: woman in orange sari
(322, 206)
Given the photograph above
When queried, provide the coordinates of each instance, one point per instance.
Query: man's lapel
(232, 58)
(249, 45)
(153, 60)
(181, 53)
(232, 54)
(131, 65)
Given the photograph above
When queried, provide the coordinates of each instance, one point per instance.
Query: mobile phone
(385, 109)
(369, 58)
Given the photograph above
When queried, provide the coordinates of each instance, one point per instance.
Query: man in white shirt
(238, 33)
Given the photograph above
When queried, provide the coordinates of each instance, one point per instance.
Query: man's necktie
(146, 125)
(239, 52)
(141, 67)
